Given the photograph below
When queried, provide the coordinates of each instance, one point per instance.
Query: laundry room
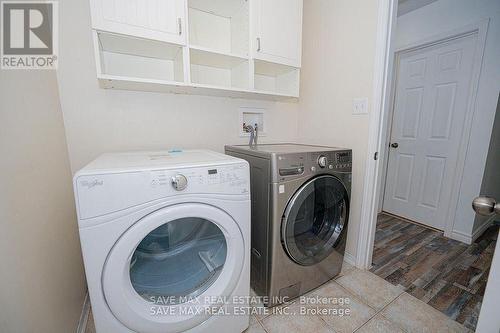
(235, 166)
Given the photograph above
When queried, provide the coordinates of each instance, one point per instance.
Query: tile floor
(375, 305)
(444, 273)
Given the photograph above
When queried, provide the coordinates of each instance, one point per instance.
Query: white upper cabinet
(162, 20)
(277, 31)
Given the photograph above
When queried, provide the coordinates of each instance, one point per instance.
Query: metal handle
(179, 22)
(394, 145)
(291, 171)
(258, 44)
(486, 206)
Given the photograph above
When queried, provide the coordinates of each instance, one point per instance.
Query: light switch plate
(360, 106)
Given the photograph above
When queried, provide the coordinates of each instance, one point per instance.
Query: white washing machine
(165, 240)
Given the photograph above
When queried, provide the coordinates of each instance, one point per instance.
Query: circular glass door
(314, 220)
(178, 260)
(185, 256)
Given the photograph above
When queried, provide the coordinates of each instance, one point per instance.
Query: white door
(153, 19)
(431, 101)
(277, 33)
(170, 265)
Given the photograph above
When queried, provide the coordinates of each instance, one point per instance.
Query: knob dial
(179, 182)
(322, 161)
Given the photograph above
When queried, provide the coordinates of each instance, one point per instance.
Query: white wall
(100, 120)
(337, 66)
(42, 284)
(491, 178)
(489, 320)
(441, 17)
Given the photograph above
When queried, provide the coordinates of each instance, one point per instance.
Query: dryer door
(315, 219)
(172, 264)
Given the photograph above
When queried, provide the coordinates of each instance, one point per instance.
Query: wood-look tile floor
(444, 273)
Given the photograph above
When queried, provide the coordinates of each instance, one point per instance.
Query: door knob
(394, 145)
(486, 206)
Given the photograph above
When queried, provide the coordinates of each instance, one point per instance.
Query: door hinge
(375, 156)
(179, 22)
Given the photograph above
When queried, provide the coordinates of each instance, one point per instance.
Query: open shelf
(121, 83)
(222, 53)
(221, 25)
(210, 69)
(131, 57)
(274, 78)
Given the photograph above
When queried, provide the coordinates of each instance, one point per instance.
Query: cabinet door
(277, 31)
(154, 19)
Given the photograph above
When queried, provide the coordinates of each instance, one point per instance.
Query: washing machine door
(171, 265)
(315, 220)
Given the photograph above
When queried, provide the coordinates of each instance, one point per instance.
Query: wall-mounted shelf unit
(276, 78)
(219, 70)
(131, 57)
(212, 55)
(221, 25)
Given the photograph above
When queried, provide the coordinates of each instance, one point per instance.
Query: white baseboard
(461, 237)
(483, 227)
(350, 259)
(470, 238)
(84, 316)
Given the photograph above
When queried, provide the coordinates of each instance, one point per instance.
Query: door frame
(379, 129)
(479, 29)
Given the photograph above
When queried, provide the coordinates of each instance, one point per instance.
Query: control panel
(200, 180)
(290, 166)
(332, 160)
(97, 194)
(343, 160)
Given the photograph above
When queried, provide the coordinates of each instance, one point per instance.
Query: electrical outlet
(360, 106)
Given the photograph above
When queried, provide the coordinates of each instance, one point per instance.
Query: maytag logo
(92, 183)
